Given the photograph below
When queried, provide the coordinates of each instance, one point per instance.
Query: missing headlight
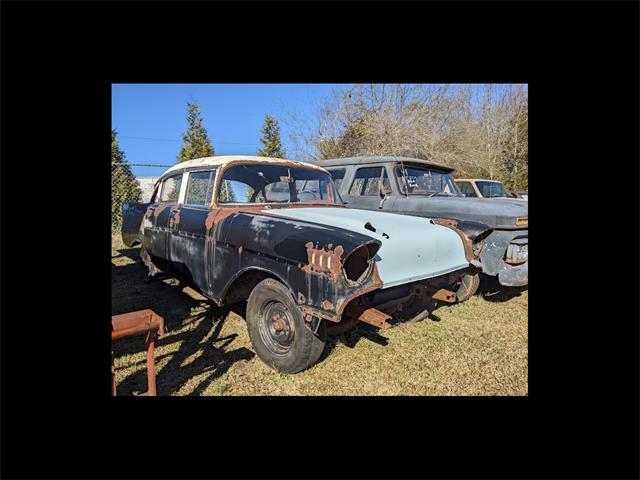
(357, 264)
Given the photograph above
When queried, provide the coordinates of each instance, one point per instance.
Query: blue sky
(150, 118)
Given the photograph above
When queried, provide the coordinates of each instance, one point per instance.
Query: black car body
(275, 232)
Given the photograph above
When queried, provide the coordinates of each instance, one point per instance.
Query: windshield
(425, 181)
(258, 183)
(491, 189)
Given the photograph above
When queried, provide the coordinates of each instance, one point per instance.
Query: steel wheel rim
(276, 327)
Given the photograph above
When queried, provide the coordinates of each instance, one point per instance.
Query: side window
(338, 176)
(171, 189)
(200, 188)
(367, 181)
(466, 188)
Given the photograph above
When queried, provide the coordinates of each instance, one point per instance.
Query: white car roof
(224, 159)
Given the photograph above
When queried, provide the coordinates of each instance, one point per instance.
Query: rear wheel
(278, 332)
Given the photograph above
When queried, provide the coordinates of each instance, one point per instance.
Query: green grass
(479, 347)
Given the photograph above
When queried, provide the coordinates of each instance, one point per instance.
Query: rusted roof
(224, 159)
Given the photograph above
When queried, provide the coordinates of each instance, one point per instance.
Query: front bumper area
(516, 276)
(494, 253)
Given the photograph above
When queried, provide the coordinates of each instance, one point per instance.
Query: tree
(196, 140)
(124, 185)
(271, 139)
(480, 130)
(516, 146)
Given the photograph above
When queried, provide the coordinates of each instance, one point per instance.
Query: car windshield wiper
(441, 193)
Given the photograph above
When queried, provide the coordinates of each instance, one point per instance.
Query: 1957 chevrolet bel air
(274, 232)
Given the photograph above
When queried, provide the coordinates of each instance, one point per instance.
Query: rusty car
(499, 231)
(274, 233)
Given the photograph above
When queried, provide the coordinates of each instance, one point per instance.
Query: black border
(58, 62)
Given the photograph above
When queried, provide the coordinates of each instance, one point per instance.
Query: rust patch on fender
(159, 210)
(466, 242)
(212, 219)
(375, 283)
(327, 305)
(218, 214)
(175, 218)
(209, 220)
(323, 260)
(344, 302)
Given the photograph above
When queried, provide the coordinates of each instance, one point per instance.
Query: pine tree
(124, 185)
(196, 140)
(271, 139)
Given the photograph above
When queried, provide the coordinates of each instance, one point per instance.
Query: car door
(187, 226)
(132, 215)
(364, 190)
(156, 221)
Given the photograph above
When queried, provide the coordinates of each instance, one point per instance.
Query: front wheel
(278, 332)
(467, 286)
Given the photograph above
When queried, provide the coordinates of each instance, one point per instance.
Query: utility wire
(173, 140)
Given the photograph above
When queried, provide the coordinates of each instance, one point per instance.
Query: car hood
(502, 213)
(413, 248)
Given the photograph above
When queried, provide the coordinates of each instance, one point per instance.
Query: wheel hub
(277, 328)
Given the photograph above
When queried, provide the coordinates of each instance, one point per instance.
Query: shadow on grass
(491, 290)
(132, 253)
(352, 337)
(205, 344)
(363, 330)
(132, 291)
(201, 349)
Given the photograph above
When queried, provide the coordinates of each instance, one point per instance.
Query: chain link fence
(131, 182)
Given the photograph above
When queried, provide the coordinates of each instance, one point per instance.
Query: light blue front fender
(413, 248)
